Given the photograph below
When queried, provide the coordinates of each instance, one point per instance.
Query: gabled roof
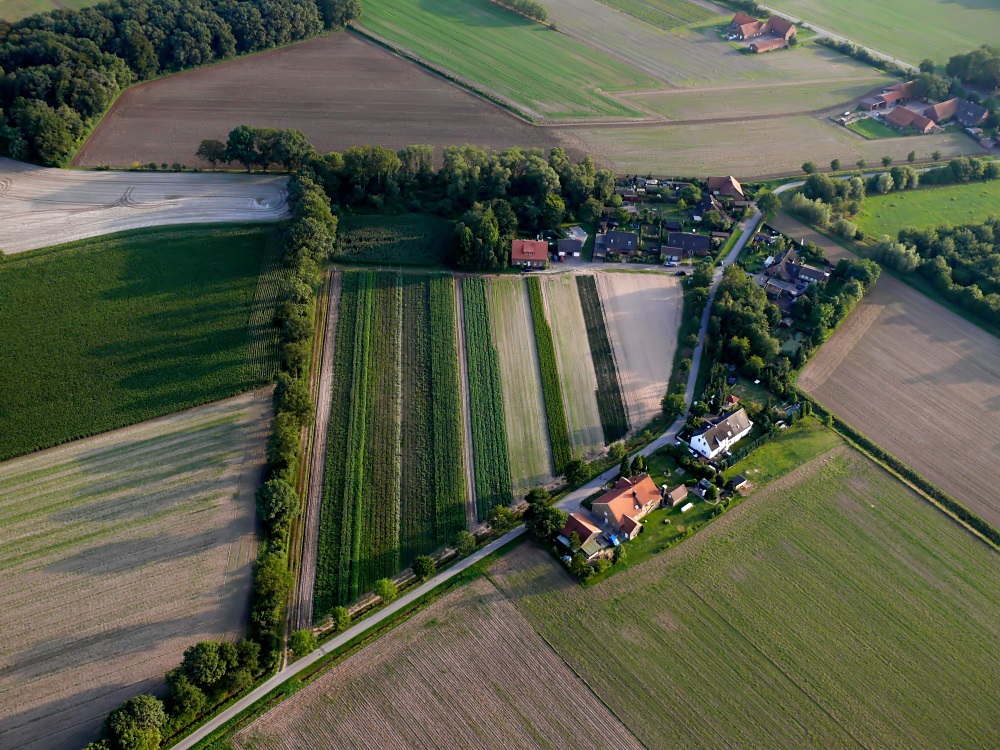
(533, 250)
(902, 117)
(767, 45)
(628, 496)
(677, 494)
(750, 28)
(727, 185)
(725, 427)
(942, 110)
(781, 26)
(584, 529)
(621, 241)
(742, 18)
(970, 114)
(688, 242)
(570, 245)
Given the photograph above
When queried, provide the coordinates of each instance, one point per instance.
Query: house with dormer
(720, 434)
(624, 505)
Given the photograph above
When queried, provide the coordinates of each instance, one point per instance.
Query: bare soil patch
(117, 553)
(340, 90)
(924, 384)
(40, 207)
(643, 313)
(469, 671)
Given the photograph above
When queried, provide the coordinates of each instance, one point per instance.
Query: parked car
(681, 273)
(670, 264)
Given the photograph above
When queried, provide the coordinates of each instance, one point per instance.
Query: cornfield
(555, 411)
(614, 420)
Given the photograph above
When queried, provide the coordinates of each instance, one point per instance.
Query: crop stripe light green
(555, 411)
(489, 437)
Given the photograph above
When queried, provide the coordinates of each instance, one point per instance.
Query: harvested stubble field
(921, 382)
(746, 149)
(910, 30)
(832, 609)
(930, 207)
(340, 90)
(108, 332)
(40, 207)
(469, 671)
(576, 367)
(524, 61)
(520, 376)
(117, 553)
(695, 55)
(643, 313)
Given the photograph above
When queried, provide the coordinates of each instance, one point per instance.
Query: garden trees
(424, 566)
(386, 590)
(211, 150)
(501, 519)
(768, 203)
(638, 465)
(810, 167)
(465, 543)
(576, 471)
(546, 521)
(690, 194)
(136, 724)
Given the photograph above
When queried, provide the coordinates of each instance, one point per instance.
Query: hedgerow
(555, 411)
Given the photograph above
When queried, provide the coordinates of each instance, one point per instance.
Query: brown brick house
(625, 504)
(529, 253)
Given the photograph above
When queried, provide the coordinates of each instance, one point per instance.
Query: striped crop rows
(555, 411)
(489, 437)
(610, 404)
(383, 502)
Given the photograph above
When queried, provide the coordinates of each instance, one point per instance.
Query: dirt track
(40, 207)
(340, 90)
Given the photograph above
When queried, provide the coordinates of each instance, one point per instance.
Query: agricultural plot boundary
(555, 412)
(489, 436)
(610, 403)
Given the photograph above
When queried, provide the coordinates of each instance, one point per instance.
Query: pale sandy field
(576, 368)
(643, 312)
(468, 672)
(40, 207)
(116, 553)
(521, 380)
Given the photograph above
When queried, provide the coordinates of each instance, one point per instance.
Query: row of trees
(212, 671)
(60, 71)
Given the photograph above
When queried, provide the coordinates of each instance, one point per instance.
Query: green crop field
(832, 609)
(663, 14)
(393, 484)
(910, 30)
(930, 207)
(489, 435)
(555, 413)
(407, 240)
(610, 404)
(14, 10)
(522, 60)
(103, 333)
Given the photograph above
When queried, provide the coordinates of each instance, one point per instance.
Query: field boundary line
(570, 667)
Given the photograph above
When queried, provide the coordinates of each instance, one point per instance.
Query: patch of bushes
(530, 8)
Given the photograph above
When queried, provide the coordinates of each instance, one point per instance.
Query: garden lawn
(834, 609)
(524, 407)
(407, 240)
(801, 442)
(495, 48)
(910, 30)
(873, 129)
(103, 333)
(929, 207)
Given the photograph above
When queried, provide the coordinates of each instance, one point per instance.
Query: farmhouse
(676, 496)
(744, 27)
(626, 503)
(621, 242)
(728, 187)
(529, 253)
(591, 542)
(721, 434)
(901, 118)
(967, 113)
(685, 243)
(898, 93)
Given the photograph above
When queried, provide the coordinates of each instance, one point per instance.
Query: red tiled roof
(529, 250)
(749, 29)
(767, 45)
(727, 185)
(627, 494)
(584, 529)
(781, 27)
(742, 18)
(942, 110)
(901, 117)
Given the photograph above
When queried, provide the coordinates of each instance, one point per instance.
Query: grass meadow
(930, 207)
(832, 609)
(103, 333)
(14, 10)
(522, 60)
(910, 30)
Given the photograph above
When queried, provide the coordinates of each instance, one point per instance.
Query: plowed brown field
(117, 553)
(340, 90)
(468, 672)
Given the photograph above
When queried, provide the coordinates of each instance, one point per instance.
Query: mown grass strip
(555, 411)
(610, 404)
(489, 437)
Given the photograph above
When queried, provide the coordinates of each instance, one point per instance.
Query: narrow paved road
(570, 503)
(366, 624)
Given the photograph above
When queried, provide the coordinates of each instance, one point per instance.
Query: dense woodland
(60, 71)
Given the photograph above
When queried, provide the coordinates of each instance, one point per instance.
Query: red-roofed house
(901, 117)
(781, 28)
(625, 504)
(590, 536)
(727, 186)
(529, 253)
(768, 45)
(898, 93)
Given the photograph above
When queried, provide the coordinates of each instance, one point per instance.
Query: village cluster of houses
(616, 516)
(774, 33)
(902, 110)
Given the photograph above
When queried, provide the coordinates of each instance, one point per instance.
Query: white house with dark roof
(721, 434)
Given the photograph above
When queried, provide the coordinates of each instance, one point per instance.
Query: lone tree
(911, 157)
(341, 618)
(886, 161)
(465, 543)
(810, 168)
(302, 642)
(212, 151)
(386, 590)
(768, 203)
(423, 566)
(861, 163)
(835, 164)
(576, 471)
(936, 156)
(501, 519)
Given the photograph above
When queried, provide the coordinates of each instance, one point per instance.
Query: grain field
(467, 672)
(116, 553)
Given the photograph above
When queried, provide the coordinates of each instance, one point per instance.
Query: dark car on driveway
(680, 273)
